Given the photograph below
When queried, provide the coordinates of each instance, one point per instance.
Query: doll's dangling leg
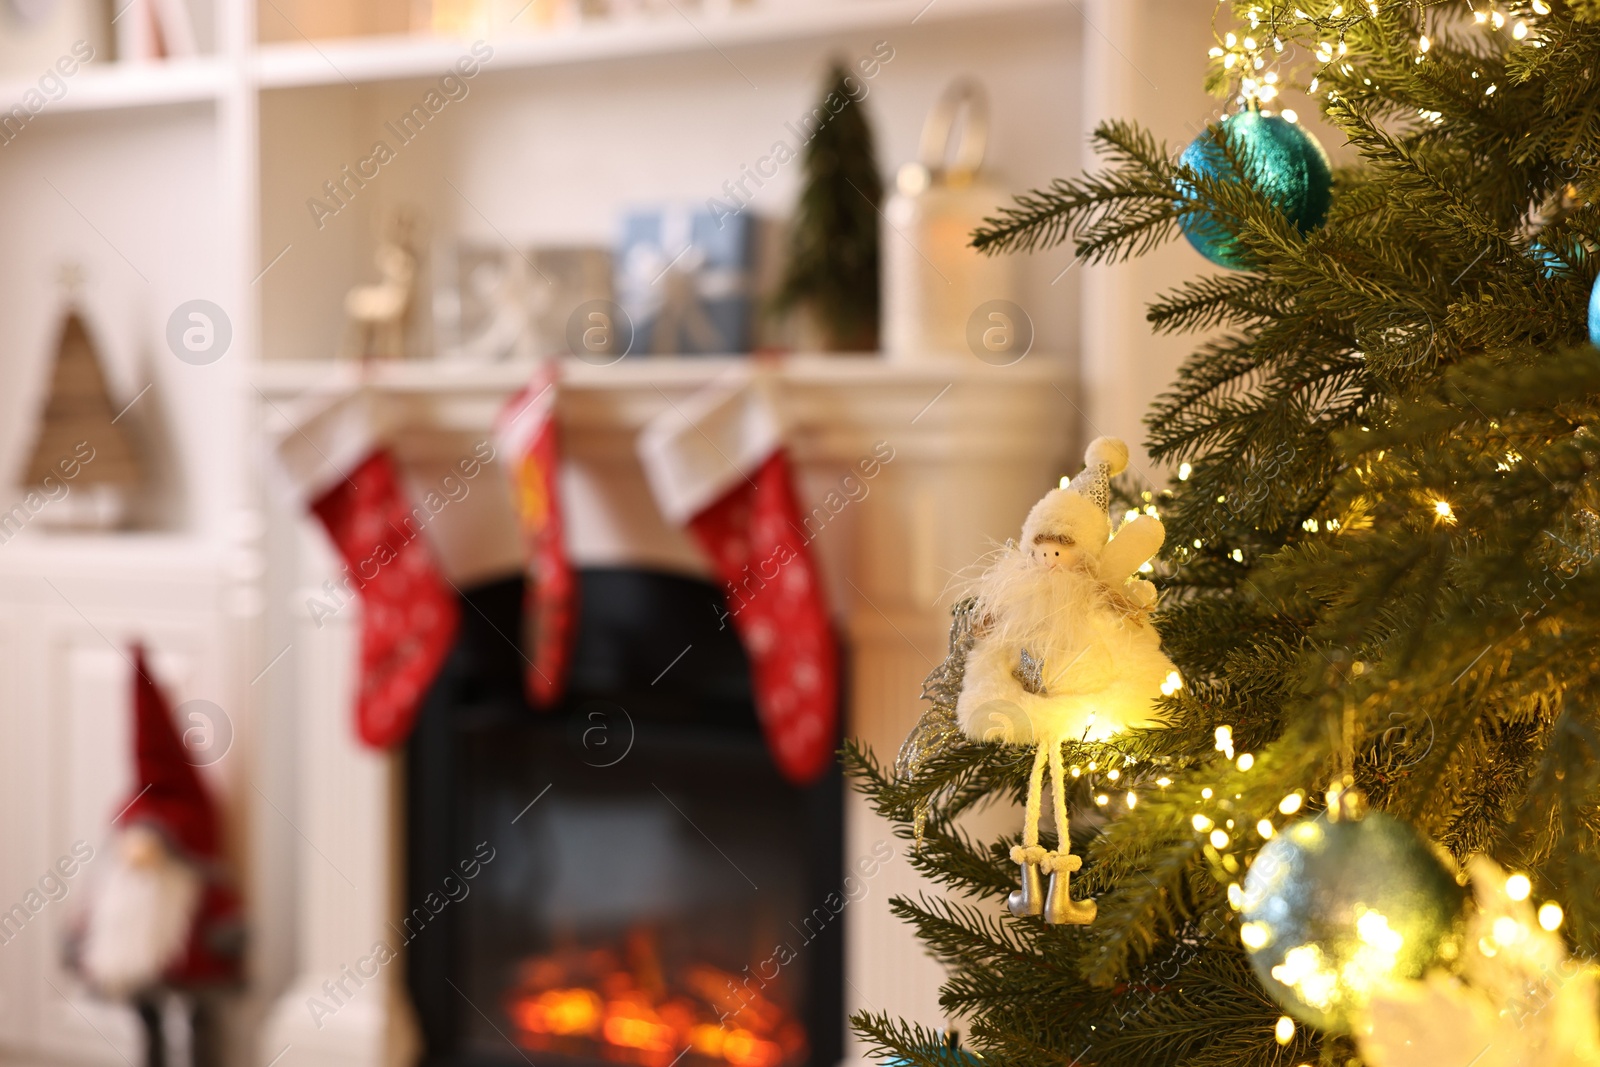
(1029, 900)
(1059, 907)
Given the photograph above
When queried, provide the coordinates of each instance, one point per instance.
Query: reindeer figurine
(378, 313)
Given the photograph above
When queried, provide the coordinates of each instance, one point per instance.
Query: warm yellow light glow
(1113, 774)
(1254, 935)
(1076, 770)
(1291, 803)
(1264, 828)
(1518, 887)
(1235, 896)
(1102, 799)
(1507, 931)
(1206, 792)
(1133, 799)
(1441, 508)
(1519, 31)
(1163, 782)
(1184, 470)
(1423, 44)
(1550, 915)
(1246, 761)
(1201, 823)
(1290, 115)
(1219, 839)
(1284, 1031)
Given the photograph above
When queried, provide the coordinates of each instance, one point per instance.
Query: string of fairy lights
(1251, 55)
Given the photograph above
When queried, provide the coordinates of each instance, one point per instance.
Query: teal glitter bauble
(1284, 162)
(1594, 314)
(1334, 909)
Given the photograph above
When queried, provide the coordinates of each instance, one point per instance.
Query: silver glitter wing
(938, 730)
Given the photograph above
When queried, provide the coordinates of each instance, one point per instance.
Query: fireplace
(973, 445)
(624, 879)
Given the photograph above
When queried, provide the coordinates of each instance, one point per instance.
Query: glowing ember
(589, 1003)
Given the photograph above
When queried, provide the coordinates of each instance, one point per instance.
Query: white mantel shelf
(292, 378)
(940, 406)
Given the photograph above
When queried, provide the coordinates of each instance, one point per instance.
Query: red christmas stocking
(717, 464)
(526, 434)
(409, 612)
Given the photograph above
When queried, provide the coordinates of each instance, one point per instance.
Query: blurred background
(397, 404)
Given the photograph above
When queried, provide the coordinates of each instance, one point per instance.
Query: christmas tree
(832, 269)
(1376, 579)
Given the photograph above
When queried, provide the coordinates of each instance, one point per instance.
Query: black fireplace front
(625, 878)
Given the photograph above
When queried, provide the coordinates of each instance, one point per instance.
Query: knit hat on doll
(1079, 513)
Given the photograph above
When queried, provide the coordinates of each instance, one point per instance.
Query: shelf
(396, 58)
(113, 86)
(310, 379)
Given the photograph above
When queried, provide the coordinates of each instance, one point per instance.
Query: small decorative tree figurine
(832, 270)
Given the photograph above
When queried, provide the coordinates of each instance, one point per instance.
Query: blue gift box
(684, 277)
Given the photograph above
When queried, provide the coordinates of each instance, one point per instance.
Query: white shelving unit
(169, 182)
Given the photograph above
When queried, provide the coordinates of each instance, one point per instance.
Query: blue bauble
(1594, 314)
(1554, 262)
(1284, 163)
(1333, 910)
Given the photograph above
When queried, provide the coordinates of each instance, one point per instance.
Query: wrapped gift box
(684, 277)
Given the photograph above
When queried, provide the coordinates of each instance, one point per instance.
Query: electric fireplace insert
(624, 878)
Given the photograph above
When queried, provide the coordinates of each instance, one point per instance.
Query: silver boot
(1059, 907)
(1029, 900)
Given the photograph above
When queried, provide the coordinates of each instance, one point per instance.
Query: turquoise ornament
(1594, 314)
(1554, 262)
(1333, 910)
(1283, 162)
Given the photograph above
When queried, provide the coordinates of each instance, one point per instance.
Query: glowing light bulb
(1423, 44)
(1291, 803)
(1163, 782)
(1264, 828)
(1133, 799)
(1113, 774)
(1246, 761)
(1206, 793)
(1284, 1031)
(1219, 839)
(1442, 509)
(1550, 915)
(1254, 935)
(1184, 470)
(1201, 823)
(1101, 799)
(1518, 887)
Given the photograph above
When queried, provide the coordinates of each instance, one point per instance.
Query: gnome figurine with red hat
(164, 925)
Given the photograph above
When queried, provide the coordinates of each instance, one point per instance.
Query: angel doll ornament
(1062, 648)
